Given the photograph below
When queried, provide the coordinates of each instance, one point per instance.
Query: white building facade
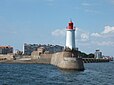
(98, 54)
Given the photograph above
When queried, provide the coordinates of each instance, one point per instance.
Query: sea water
(41, 74)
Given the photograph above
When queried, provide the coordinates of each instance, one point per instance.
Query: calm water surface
(38, 74)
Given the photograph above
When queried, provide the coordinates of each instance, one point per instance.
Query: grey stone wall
(64, 60)
(7, 57)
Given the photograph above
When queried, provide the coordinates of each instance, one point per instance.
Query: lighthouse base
(63, 60)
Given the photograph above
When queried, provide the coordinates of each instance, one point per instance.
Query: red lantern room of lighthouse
(70, 26)
(70, 36)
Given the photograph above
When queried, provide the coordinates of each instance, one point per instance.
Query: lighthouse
(68, 59)
(70, 36)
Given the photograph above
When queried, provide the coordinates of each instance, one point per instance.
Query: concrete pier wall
(62, 61)
(94, 60)
(6, 57)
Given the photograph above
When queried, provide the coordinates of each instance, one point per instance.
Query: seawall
(55, 59)
(94, 60)
(64, 60)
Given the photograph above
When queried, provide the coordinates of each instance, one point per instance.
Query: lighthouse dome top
(70, 25)
(70, 22)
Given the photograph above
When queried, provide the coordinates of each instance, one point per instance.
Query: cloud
(108, 29)
(85, 36)
(104, 43)
(58, 32)
(80, 34)
(108, 32)
(61, 32)
(95, 34)
(103, 38)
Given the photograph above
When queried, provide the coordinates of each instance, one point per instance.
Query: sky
(45, 22)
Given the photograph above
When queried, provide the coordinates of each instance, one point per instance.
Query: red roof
(6, 47)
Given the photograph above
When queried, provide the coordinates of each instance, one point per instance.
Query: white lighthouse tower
(70, 36)
(68, 59)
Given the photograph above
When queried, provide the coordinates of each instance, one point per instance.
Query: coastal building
(6, 49)
(98, 54)
(41, 50)
(29, 48)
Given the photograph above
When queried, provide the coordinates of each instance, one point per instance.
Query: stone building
(6, 49)
(29, 48)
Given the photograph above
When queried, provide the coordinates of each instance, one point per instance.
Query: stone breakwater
(94, 60)
(64, 60)
(47, 60)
